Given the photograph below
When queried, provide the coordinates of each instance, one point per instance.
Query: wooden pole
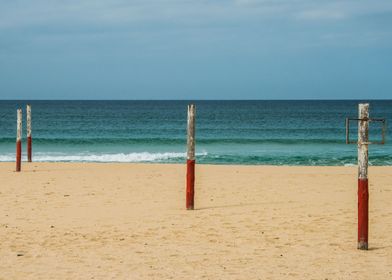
(190, 163)
(363, 191)
(18, 140)
(29, 139)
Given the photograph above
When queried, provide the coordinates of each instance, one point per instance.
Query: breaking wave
(120, 157)
(203, 157)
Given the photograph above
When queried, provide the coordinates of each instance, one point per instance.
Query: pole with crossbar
(190, 162)
(363, 190)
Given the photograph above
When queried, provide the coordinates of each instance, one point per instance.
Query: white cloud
(23, 13)
(321, 15)
(247, 21)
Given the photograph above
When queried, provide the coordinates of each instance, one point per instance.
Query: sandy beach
(127, 221)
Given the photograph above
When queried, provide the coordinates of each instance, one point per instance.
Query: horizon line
(303, 99)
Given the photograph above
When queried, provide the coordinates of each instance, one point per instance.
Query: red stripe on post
(190, 184)
(18, 155)
(29, 149)
(363, 214)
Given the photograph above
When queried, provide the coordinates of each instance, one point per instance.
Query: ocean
(227, 132)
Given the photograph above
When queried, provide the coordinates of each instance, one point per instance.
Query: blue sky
(171, 49)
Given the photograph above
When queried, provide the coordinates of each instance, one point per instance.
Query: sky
(172, 49)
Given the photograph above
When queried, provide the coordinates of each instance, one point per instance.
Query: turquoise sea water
(227, 132)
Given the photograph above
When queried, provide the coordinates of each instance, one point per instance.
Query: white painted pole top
(191, 132)
(19, 125)
(28, 120)
(363, 140)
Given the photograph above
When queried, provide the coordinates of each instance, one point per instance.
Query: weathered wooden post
(18, 140)
(190, 163)
(363, 157)
(29, 139)
(363, 191)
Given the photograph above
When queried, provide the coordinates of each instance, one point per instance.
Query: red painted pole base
(363, 214)
(29, 149)
(190, 184)
(18, 155)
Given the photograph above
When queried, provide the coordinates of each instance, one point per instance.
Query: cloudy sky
(172, 49)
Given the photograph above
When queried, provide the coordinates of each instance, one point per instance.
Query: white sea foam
(121, 157)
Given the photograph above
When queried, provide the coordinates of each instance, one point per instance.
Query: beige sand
(127, 221)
